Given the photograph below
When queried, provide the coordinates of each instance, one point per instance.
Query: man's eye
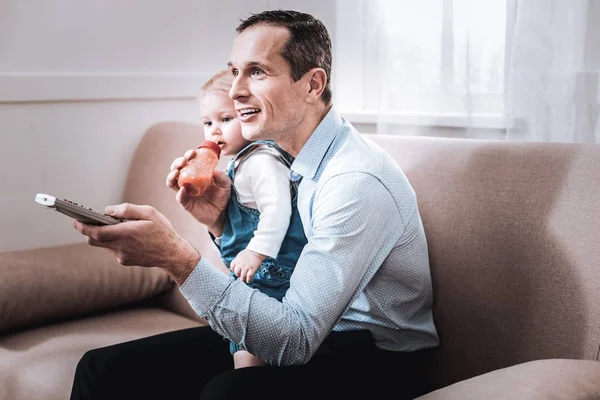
(235, 72)
(226, 119)
(257, 71)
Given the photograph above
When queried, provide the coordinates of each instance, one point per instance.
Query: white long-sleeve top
(262, 182)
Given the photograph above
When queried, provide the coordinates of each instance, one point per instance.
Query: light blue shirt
(365, 266)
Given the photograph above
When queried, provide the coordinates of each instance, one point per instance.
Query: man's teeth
(249, 111)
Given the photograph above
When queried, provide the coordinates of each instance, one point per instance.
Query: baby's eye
(207, 123)
(226, 119)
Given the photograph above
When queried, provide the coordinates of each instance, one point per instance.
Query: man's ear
(317, 79)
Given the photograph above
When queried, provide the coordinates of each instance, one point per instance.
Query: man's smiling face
(269, 104)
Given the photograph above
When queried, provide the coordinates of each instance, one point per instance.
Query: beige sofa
(513, 230)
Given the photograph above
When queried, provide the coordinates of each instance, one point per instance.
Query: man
(357, 316)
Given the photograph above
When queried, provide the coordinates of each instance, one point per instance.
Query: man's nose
(239, 88)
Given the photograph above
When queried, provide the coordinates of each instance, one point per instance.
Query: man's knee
(85, 364)
(90, 363)
(85, 380)
(93, 373)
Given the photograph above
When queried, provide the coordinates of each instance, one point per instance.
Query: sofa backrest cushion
(513, 231)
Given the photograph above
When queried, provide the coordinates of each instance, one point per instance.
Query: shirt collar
(313, 152)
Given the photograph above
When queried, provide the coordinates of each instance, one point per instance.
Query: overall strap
(284, 156)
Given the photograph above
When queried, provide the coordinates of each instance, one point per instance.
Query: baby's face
(221, 123)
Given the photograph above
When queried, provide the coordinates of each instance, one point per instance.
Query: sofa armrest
(42, 285)
(533, 380)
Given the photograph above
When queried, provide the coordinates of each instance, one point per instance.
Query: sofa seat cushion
(42, 285)
(534, 380)
(40, 363)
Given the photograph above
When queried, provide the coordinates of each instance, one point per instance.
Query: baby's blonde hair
(222, 80)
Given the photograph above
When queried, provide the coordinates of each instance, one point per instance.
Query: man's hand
(246, 263)
(145, 239)
(208, 209)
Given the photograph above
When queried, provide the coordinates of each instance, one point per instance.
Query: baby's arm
(246, 263)
(269, 181)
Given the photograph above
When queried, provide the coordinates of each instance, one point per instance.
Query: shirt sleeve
(355, 224)
(270, 184)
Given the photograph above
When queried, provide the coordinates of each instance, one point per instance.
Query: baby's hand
(246, 263)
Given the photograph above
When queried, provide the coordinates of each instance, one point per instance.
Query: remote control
(74, 210)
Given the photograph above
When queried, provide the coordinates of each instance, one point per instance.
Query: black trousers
(195, 364)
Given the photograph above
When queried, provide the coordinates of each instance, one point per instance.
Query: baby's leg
(242, 358)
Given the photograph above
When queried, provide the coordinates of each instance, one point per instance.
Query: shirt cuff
(216, 240)
(266, 249)
(204, 287)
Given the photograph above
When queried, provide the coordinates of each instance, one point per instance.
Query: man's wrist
(190, 257)
(216, 230)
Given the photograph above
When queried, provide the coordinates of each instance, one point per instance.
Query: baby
(263, 234)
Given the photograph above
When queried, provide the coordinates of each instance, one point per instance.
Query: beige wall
(81, 81)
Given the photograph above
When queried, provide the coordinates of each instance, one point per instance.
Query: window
(436, 58)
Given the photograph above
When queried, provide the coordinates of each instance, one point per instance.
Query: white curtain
(553, 69)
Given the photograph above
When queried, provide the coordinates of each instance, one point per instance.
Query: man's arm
(355, 224)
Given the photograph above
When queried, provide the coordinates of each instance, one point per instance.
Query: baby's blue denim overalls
(273, 277)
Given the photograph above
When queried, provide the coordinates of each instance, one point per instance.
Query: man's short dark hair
(309, 44)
